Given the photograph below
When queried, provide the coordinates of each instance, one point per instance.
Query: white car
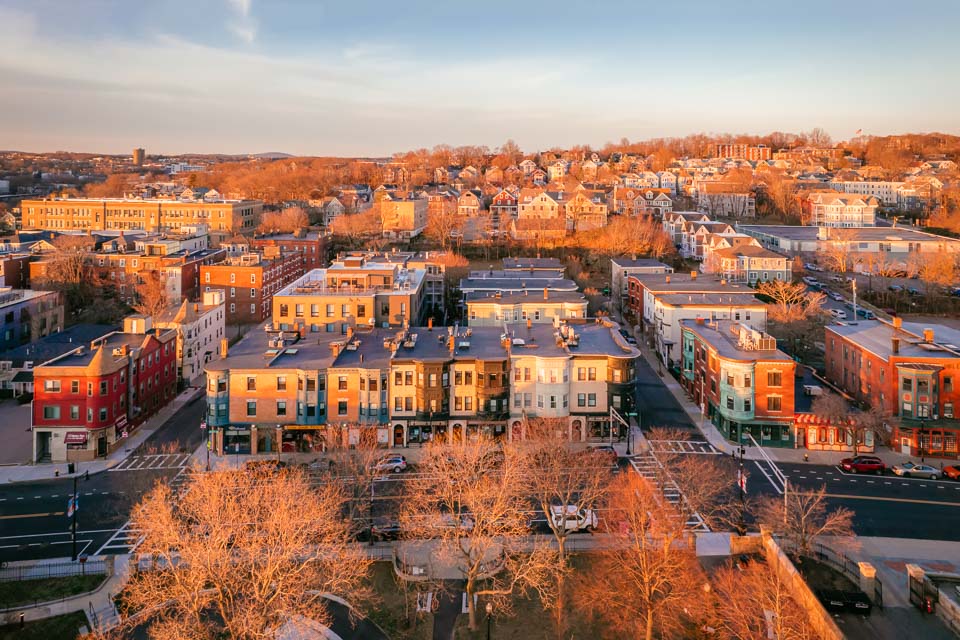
(394, 464)
(912, 470)
(571, 518)
(812, 267)
(839, 314)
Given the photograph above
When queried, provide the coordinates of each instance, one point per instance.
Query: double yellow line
(847, 496)
(20, 516)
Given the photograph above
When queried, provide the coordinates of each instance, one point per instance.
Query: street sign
(73, 504)
(203, 424)
(124, 434)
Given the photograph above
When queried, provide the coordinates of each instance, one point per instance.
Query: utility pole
(74, 508)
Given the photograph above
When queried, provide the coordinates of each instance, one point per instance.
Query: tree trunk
(649, 634)
(471, 610)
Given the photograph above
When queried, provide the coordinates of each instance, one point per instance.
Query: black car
(386, 529)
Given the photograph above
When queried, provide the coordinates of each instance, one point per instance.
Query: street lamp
(73, 508)
(489, 613)
(741, 486)
(923, 422)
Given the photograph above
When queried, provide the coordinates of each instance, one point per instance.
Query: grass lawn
(390, 612)
(30, 591)
(63, 627)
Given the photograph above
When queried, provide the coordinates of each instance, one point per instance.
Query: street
(33, 521)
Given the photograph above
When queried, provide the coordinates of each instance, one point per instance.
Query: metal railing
(847, 566)
(44, 570)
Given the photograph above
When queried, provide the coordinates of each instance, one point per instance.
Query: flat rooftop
(530, 296)
(637, 263)
(724, 336)
(57, 344)
(255, 352)
(863, 234)
(516, 284)
(469, 343)
(876, 337)
(314, 282)
(739, 298)
(684, 282)
(532, 263)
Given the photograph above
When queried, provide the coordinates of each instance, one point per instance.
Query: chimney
(895, 345)
(723, 282)
(196, 307)
(897, 322)
(928, 335)
(546, 294)
(450, 343)
(529, 324)
(224, 347)
(429, 324)
(361, 358)
(349, 332)
(335, 348)
(668, 279)
(700, 321)
(693, 275)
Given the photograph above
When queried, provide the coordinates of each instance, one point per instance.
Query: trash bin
(71, 468)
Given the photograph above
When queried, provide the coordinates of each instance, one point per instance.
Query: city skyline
(242, 76)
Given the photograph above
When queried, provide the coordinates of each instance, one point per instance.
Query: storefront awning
(75, 437)
(813, 420)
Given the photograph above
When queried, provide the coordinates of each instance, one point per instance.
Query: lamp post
(741, 486)
(923, 422)
(489, 614)
(73, 508)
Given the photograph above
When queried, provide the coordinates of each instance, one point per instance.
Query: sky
(370, 78)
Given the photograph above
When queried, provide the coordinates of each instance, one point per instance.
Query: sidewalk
(47, 471)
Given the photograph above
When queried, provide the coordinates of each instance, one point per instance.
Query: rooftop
(366, 350)
(314, 282)
(532, 263)
(516, 284)
(54, 346)
(424, 343)
(639, 262)
(529, 296)
(738, 298)
(260, 351)
(145, 200)
(863, 234)
(876, 337)
(686, 283)
(736, 341)
(9, 295)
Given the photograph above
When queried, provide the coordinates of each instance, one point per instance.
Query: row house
(724, 199)
(740, 381)
(636, 201)
(674, 223)
(740, 258)
(495, 309)
(835, 209)
(906, 369)
(696, 235)
(200, 326)
(250, 281)
(656, 305)
(87, 401)
(27, 315)
(622, 268)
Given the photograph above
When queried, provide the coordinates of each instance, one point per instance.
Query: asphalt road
(33, 521)
(658, 407)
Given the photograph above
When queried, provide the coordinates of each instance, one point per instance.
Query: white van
(812, 390)
(570, 518)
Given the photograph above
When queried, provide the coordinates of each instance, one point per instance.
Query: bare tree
(443, 225)
(471, 499)
(791, 301)
(801, 517)
(938, 270)
(68, 268)
(350, 463)
(568, 485)
(745, 595)
(241, 554)
(357, 226)
(152, 299)
(839, 249)
(647, 583)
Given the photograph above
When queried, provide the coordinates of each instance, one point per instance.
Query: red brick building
(250, 280)
(310, 244)
(910, 370)
(88, 400)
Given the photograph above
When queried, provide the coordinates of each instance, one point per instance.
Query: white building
(200, 328)
(885, 192)
(835, 209)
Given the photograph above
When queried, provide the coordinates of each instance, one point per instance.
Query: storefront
(934, 439)
(305, 439)
(821, 434)
(766, 434)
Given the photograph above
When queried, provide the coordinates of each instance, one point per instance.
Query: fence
(850, 568)
(44, 570)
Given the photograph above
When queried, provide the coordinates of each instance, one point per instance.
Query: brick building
(310, 244)
(250, 280)
(909, 370)
(88, 400)
(741, 381)
(26, 315)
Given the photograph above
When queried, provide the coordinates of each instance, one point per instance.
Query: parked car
(385, 529)
(952, 472)
(833, 295)
(839, 314)
(836, 278)
(913, 470)
(810, 282)
(895, 288)
(913, 291)
(570, 518)
(812, 267)
(394, 464)
(866, 314)
(863, 464)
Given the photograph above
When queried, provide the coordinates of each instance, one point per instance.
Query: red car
(863, 464)
(952, 472)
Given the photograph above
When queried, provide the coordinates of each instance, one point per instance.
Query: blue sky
(357, 77)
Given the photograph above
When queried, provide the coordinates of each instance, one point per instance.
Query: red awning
(815, 420)
(76, 437)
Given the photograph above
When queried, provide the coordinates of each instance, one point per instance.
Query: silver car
(913, 470)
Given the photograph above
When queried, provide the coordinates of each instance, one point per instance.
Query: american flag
(858, 132)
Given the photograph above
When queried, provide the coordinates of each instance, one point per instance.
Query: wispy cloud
(242, 24)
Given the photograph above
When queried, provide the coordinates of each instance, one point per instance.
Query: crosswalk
(124, 540)
(648, 466)
(154, 461)
(684, 446)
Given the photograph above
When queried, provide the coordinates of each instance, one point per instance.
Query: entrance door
(102, 447)
(43, 446)
(905, 446)
(398, 435)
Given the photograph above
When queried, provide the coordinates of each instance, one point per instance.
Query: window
(361, 310)
(103, 414)
(329, 310)
(408, 378)
(923, 386)
(342, 383)
(341, 407)
(314, 311)
(253, 292)
(468, 403)
(408, 404)
(51, 412)
(103, 387)
(907, 384)
(432, 380)
(51, 386)
(729, 402)
(729, 379)
(581, 373)
(540, 401)
(233, 278)
(74, 412)
(233, 307)
(251, 383)
(397, 378)
(527, 400)
(281, 383)
(592, 373)
(581, 399)
(947, 384)
(206, 277)
(253, 278)
(298, 310)
(746, 380)
(284, 310)
(281, 407)
(251, 407)
(591, 399)
(773, 403)
(74, 386)
(746, 404)
(553, 402)
(457, 377)
(397, 403)
(774, 379)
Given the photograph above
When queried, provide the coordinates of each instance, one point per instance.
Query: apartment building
(200, 326)
(725, 199)
(883, 190)
(310, 244)
(222, 216)
(674, 223)
(355, 291)
(403, 219)
(15, 269)
(907, 369)
(897, 242)
(657, 304)
(741, 381)
(250, 281)
(740, 258)
(835, 209)
(26, 315)
(497, 308)
(623, 268)
(751, 152)
(88, 400)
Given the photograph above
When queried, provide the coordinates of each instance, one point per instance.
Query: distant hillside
(272, 155)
